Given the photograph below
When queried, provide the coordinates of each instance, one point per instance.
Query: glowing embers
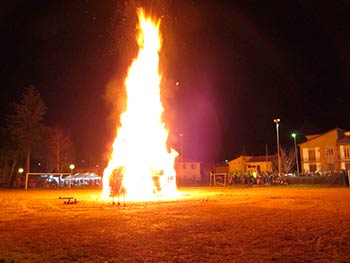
(140, 157)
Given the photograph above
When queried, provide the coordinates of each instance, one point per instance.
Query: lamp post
(181, 149)
(71, 167)
(294, 135)
(20, 171)
(277, 121)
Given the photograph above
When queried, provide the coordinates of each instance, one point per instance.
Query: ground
(267, 224)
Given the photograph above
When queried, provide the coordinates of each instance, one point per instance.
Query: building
(326, 152)
(253, 163)
(344, 151)
(188, 172)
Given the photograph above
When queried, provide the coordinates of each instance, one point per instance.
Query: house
(221, 168)
(263, 163)
(326, 152)
(188, 172)
(344, 151)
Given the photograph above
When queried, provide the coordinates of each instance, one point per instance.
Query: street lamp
(72, 166)
(277, 121)
(20, 171)
(181, 149)
(294, 135)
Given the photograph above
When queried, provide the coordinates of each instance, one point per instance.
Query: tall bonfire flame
(141, 165)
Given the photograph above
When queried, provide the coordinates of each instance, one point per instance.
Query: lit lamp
(72, 166)
(277, 121)
(20, 171)
(294, 135)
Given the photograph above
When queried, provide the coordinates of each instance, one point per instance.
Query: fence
(334, 179)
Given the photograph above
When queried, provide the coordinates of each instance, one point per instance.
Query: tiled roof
(312, 136)
(340, 132)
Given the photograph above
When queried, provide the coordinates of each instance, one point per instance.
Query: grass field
(272, 224)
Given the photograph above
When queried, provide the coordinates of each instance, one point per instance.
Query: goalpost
(28, 174)
(214, 176)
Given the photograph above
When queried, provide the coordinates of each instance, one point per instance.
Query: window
(346, 153)
(193, 166)
(329, 152)
(330, 155)
(312, 156)
(184, 166)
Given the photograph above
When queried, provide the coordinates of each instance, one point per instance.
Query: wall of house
(344, 153)
(188, 171)
(243, 164)
(325, 150)
(264, 166)
(221, 168)
(237, 164)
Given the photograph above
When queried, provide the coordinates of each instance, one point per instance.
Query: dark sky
(239, 65)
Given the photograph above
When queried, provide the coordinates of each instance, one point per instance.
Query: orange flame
(140, 155)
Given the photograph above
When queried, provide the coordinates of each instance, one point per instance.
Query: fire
(140, 157)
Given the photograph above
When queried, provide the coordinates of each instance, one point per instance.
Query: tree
(287, 160)
(25, 124)
(60, 146)
(9, 157)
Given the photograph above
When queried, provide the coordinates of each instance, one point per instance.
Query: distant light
(39, 164)
(72, 166)
(294, 135)
(20, 170)
(276, 121)
(177, 83)
(226, 161)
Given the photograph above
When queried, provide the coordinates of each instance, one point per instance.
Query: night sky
(239, 65)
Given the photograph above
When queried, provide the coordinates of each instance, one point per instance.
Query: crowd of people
(251, 179)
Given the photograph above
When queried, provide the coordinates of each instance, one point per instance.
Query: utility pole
(294, 135)
(277, 121)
